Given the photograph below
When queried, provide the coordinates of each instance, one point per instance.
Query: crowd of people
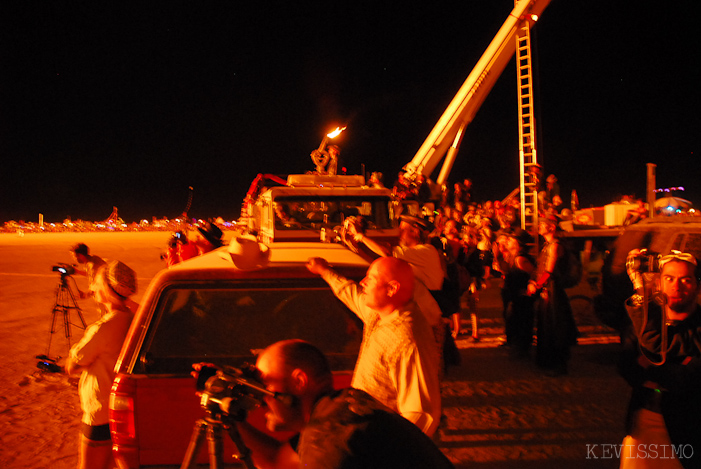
(661, 347)
(484, 239)
(410, 306)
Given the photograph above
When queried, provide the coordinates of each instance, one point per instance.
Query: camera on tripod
(227, 393)
(63, 269)
(63, 305)
(231, 391)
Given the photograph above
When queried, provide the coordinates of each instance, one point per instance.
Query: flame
(336, 132)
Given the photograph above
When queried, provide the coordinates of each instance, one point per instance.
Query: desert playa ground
(499, 413)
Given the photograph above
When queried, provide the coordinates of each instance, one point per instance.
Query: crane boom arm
(472, 93)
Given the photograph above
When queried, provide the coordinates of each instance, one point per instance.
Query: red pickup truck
(207, 310)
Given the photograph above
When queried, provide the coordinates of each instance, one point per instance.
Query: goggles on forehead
(675, 255)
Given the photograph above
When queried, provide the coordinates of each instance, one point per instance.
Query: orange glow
(336, 132)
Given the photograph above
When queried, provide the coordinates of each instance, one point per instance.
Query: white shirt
(398, 359)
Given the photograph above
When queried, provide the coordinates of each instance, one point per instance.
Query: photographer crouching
(335, 428)
(662, 362)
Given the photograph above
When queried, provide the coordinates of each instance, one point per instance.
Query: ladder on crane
(443, 141)
(526, 131)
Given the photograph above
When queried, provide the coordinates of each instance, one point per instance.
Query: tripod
(212, 427)
(65, 302)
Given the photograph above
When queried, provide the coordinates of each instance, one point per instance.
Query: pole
(651, 183)
(450, 157)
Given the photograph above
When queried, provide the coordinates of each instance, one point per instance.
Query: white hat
(121, 278)
(247, 253)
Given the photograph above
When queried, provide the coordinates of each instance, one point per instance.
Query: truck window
(693, 244)
(230, 325)
(677, 244)
(312, 212)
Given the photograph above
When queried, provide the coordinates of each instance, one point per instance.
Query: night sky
(128, 104)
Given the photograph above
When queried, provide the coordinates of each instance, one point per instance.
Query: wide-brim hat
(211, 233)
(120, 278)
(522, 236)
(247, 253)
(420, 223)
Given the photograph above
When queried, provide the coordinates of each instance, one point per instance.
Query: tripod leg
(244, 453)
(193, 448)
(74, 305)
(58, 307)
(215, 445)
(65, 301)
(67, 325)
(62, 306)
(53, 326)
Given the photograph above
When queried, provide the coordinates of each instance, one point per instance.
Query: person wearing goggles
(662, 362)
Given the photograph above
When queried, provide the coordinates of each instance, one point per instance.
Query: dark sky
(130, 103)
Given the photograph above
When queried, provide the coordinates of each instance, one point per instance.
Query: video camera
(342, 234)
(645, 262)
(233, 391)
(63, 269)
(48, 364)
(359, 223)
(178, 237)
(642, 267)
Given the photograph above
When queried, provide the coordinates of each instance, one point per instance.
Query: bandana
(675, 255)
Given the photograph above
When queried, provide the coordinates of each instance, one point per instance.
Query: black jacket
(678, 394)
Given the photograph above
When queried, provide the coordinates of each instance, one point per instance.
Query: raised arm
(345, 290)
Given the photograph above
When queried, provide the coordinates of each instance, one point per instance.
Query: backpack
(572, 268)
(459, 276)
(456, 271)
(448, 297)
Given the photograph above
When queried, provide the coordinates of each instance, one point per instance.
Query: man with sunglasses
(662, 363)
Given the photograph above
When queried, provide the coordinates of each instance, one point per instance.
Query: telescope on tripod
(63, 305)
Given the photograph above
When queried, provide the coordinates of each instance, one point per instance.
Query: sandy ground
(499, 413)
